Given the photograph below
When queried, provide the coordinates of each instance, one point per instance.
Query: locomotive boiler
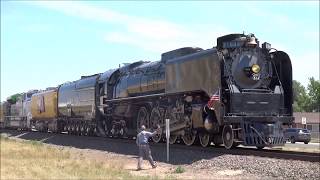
(235, 93)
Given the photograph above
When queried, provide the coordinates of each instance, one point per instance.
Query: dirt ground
(163, 170)
(192, 163)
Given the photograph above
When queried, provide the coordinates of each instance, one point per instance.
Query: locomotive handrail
(136, 97)
(15, 116)
(256, 90)
(144, 96)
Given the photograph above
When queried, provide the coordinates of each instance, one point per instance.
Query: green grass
(34, 160)
(179, 169)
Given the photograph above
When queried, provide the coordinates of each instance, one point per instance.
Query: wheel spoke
(155, 118)
(204, 139)
(143, 118)
(173, 139)
(189, 138)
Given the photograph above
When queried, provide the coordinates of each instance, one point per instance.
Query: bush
(179, 169)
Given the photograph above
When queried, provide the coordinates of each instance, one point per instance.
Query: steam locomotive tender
(235, 93)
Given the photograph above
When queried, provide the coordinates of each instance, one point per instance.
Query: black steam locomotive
(235, 93)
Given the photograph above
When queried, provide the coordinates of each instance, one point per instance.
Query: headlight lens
(255, 68)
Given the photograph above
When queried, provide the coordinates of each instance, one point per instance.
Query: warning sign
(303, 120)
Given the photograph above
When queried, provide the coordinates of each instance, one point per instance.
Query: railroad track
(127, 146)
(269, 153)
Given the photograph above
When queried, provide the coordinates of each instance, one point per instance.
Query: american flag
(214, 97)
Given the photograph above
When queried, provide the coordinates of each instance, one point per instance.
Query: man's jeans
(144, 150)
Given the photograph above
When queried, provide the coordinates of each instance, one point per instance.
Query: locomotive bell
(252, 42)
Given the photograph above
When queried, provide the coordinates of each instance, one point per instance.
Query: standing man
(143, 144)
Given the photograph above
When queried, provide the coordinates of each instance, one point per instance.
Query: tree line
(306, 99)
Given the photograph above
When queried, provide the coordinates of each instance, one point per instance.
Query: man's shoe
(154, 166)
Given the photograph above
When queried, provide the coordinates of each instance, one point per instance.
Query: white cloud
(148, 27)
(196, 37)
(159, 35)
(156, 35)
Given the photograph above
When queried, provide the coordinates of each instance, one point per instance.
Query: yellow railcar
(4, 112)
(44, 105)
(44, 110)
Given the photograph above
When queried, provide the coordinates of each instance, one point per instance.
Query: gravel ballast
(262, 167)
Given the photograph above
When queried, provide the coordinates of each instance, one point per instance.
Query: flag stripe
(213, 98)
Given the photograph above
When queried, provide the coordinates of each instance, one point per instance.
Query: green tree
(14, 98)
(298, 90)
(306, 100)
(314, 95)
(300, 97)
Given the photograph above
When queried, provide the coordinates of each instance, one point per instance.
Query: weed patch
(180, 169)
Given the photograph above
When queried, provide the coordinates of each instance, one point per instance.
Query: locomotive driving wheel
(173, 139)
(204, 139)
(81, 129)
(73, 129)
(227, 136)
(155, 120)
(87, 127)
(77, 130)
(105, 127)
(188, 138)
(143, 118)
(169, 115)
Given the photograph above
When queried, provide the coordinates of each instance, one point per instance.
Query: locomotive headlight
(255, 68)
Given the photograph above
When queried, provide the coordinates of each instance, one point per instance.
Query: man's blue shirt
(143, 136)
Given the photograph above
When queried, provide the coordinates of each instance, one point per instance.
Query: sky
(45, 43)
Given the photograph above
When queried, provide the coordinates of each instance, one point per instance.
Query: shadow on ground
(120, 146)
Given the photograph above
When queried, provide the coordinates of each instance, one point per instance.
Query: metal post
(167, 136)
